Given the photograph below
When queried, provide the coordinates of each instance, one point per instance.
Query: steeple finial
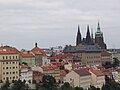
(36, 45)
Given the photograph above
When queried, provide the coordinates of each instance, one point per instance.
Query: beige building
(98, 78)
(9, 63)
(106, 57)
(90, 58)
(78, 78)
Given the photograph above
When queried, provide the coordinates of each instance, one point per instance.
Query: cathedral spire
(78, 39)
(88, 37)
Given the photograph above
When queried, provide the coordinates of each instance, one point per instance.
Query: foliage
(107, 65)
(66, 86)
(48, 82)
(116, 62)
(110, 84)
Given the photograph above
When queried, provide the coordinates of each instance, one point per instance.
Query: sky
(53, 23)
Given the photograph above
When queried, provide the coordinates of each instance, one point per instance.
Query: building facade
(9, 63)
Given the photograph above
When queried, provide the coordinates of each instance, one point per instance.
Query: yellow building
(9, 63)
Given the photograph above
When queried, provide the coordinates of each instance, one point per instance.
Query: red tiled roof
(8, 50)
(101, 67)
(63, 72)
(61, 56)
(58, 63)
(82, 72)
(27, 55)
(37, 50)
(97, 72)
(76, 65)
(24, 66)
(51, 67)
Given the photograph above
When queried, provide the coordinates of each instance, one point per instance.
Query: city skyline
(55, 22)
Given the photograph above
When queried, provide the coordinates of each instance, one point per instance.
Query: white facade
(26, 74)
(45, 60)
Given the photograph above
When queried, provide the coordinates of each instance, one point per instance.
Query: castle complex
(89, 49)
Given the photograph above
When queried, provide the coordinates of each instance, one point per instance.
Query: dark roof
(82, 48)
(82, 72)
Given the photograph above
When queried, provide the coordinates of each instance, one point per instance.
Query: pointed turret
(88, 37)
(78, 39)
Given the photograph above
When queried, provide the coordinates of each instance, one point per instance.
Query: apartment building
(9, 63)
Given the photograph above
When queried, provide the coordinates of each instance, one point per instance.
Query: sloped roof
(27, 55)
(8, 50)
(97, 72)
(37, 50)
(82, 72)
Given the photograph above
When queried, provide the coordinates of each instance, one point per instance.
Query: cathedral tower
(99, 38)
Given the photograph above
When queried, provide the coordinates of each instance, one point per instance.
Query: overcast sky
(54, 22)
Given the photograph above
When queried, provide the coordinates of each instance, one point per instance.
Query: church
(89, 40)
(88, 49)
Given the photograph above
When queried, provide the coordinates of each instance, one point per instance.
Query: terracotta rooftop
(37, 50)
(61, 56)
(82, 72)
(27, 55)
(8, 50)
(97, 72)
(50, 67)
(24, 66)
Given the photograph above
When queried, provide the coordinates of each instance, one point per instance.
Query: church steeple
(78, 39)
(88, 37)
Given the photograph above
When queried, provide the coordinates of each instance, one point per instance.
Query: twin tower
(89, 40)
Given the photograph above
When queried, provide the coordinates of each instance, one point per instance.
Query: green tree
(66, 86)
(78, 88)
(116, 62)
(49, 82)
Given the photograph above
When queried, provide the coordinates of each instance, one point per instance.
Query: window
(16, 72)
(13, 67)
(16, 67)
(13, 57)
(9, 57)
(13, 62)
(3, 73)
(3, 67)
(10, 67)
(6, 62)
(7, 78)
(6, 67)
(13, 72)
(7, 73)
(6, 57)
(3, 57)
(3, 62)
(16, 57)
